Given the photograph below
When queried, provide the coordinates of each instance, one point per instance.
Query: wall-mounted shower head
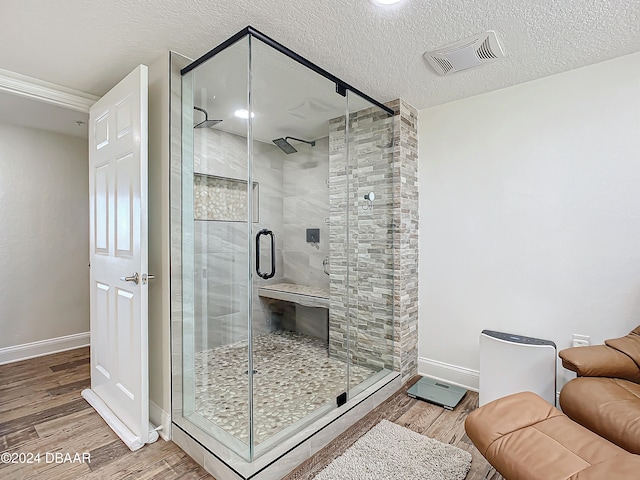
(287, 148)
(206, 123)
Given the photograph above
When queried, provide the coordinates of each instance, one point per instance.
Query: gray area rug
(391, 452)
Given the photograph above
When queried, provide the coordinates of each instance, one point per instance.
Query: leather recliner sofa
(596, 438)
(605, 397)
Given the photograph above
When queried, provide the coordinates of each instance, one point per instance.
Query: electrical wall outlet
(580, 340)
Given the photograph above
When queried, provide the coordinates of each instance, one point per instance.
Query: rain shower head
(286, 147)
(206, 123)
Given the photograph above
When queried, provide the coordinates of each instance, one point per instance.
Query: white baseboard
(455, 375)
(460, 376)
(160, 418)
(43, 347)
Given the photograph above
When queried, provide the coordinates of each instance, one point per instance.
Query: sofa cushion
(608, 406)
(524, 437)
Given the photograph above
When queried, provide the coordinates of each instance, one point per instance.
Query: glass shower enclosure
(287, 245)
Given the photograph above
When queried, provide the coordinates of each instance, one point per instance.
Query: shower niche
(282, 331)
(223, 199)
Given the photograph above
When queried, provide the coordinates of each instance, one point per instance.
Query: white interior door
(118, 251)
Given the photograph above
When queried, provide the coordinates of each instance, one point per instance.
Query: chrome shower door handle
(135, 278)
(266, 276)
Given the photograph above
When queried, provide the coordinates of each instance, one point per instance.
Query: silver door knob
(133, 278)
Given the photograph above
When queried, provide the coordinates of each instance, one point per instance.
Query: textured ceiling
(89, 46)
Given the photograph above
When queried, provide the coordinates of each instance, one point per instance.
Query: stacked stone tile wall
(374, 278)
(361, 239)
(405, 211)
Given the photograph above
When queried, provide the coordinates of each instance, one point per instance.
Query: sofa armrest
(599, 361)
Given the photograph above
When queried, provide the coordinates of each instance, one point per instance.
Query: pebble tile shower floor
(294, 376)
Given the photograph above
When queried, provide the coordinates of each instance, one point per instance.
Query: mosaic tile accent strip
(294, 376)
(222, 199)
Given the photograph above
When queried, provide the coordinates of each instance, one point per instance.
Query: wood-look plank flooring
(41, 411)
(422, 417)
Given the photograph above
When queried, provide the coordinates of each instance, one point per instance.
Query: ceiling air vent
(468, 53)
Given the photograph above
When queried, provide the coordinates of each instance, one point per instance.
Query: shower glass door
(295, 380)
(216, 229)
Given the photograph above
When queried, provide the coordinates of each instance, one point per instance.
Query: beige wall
(159, 309)
(530, 206)
(44, 235)
(164, 85)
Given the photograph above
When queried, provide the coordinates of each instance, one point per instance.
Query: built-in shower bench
(300, 294)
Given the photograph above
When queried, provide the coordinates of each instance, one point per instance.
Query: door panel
(118, 226)
(101, 349)
(127, 340)
(101, 214)
(101, 130)
(125, 180)
(124, 122)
